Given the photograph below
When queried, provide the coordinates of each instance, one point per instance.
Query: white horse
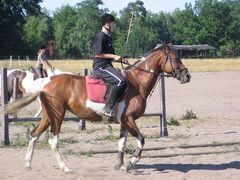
(28, 84)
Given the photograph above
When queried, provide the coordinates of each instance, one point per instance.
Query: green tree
(75, 28)
(13, 14)
(64, 21)
(184, 26)
(38, 30)
(214, 18)
(134, 45)
(88, 24)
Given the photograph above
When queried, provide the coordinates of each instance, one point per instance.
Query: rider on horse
(104, 54)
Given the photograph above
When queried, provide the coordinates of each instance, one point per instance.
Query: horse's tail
(15, 106)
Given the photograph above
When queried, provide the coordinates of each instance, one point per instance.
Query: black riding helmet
(107, 18)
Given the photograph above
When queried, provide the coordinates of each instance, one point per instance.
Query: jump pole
(163, 119)
(82, 122)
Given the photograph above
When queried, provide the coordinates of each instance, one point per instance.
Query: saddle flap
(96, 89)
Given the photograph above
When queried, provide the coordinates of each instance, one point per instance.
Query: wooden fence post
(10, 61)
(163, 119)
(82, 122)
(4, 116)
(19, 61)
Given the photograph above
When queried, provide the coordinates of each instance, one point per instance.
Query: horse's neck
(146, 80)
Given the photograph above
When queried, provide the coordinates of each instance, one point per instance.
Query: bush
(189, 115)
(173, 122)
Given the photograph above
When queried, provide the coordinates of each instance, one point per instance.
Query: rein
(147, 71)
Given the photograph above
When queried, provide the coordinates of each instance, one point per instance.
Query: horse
(28, 82)
(69, 92)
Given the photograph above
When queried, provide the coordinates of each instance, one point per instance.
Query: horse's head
(19, 89)
(171, 64)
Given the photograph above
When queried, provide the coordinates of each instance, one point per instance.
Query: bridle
(175, 73)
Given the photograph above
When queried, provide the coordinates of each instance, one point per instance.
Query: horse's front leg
(133, 129)
(121, 147)
(53, 142)
(137, 154)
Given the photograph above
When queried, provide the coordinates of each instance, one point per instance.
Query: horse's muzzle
(184, 76)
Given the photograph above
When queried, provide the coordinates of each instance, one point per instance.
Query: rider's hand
(124, 60)
(121, 59)
(116, 57)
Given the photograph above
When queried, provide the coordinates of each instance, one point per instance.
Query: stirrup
(109, 113)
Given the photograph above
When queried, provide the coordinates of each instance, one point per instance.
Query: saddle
(35, 72)
(98, 90)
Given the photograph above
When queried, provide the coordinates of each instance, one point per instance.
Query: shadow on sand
(187, 167)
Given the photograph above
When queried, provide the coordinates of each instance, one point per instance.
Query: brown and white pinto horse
(68, 92)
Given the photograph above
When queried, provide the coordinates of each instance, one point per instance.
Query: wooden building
(194, 51)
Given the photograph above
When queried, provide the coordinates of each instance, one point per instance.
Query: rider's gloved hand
(122, 59)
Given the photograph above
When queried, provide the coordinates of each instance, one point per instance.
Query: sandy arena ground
(213, 96)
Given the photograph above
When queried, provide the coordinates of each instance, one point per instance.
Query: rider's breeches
(118, 83)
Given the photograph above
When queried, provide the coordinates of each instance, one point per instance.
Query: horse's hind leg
(56, 111)
(133, 129)
(41, 127)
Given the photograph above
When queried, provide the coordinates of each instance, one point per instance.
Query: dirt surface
(213, 96)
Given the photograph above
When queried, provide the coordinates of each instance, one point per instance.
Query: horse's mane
(158, 47)
(136, 63)
(139, 61)
(14, 73)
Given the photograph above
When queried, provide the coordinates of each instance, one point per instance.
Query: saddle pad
(96, 89)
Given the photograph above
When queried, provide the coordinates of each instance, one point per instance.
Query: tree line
(24, 26)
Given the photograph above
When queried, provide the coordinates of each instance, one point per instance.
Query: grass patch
(88, 154)
(109, 137)
(30, 125)
(18, 141)
(216, 142)
(90, 131)
(67, 141)
(189, 115)
(195, 65)
(130, 149)
(70, 152)
(148, 136)
(173, 122)
(42, 144)
(179, 136)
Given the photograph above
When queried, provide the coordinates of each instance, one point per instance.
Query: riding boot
(39, 72)
(112, 98)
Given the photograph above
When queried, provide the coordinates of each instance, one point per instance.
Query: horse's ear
(164, 44)
(170, 45)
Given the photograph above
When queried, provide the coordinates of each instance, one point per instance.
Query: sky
(116, 5)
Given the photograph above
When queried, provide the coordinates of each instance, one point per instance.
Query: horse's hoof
(130, 166)
(67, 170)
(118, 166)
(28, 168)
(123, 168)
